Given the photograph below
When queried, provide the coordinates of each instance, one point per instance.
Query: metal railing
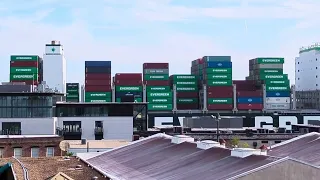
(25, 170)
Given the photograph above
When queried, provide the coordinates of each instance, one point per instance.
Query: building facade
(30, 146)
(307, 77)
(55, 70)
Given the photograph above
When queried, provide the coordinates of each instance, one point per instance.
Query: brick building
(30, 146)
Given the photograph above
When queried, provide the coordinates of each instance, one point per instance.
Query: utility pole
(217, 118)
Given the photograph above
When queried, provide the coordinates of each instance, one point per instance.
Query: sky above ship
(131, 32)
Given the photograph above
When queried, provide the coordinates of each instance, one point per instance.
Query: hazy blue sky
(130, 32)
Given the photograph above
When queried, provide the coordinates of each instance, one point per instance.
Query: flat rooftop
(27, 136)
(97, 144)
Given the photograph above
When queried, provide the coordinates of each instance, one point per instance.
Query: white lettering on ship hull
(283, 120)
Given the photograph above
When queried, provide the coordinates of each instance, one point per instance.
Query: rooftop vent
(178, 139)
(206, 144)
(94, 178)
(245, 152)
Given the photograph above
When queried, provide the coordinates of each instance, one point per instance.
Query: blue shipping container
(250, 100)
(98, 63)
(219, 64)
(120, 94)
(278, 94)
(217, 58)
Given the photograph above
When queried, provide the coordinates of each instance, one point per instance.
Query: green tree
(244, 145)
(234, 141)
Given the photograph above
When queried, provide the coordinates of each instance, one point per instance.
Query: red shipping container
(222, 94)
(98, 82)
(219, 88)
(187, 106)
(132, 82)
(30, 82)
(155, 65)
(97, 88)
(258, 93)
(97, 76)
(128, 76)
(220, 106)
(244, 82)
(157, 83)
(187, 94)
(23, 63)
(250, 106)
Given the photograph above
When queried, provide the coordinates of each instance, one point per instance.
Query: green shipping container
(24, 58)
(219, 76)
(24, 70)
(270, 60)
(186, 83)
(159, 94)
(278, 88)
(187, 100)
(159, 77)
(156, 71)
(159, 107)
(271, 71)
(187, 89)
(182, 77)
(128, 88)
(158, 88)
(72, 96)
(159, 100)
(219, 70)
(98, 101)
(73, 91)
(217, 58)
(135, 99)
(220, 100)
(219, 83)
(277, 82)
(275, 76)
(26, 77)
(97, 94)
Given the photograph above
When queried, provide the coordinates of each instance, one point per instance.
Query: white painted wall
(117, 128)
(84, 150)
(34, 126)
(308, 71)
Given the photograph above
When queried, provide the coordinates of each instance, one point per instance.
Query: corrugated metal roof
(304, 148)
(157, 158)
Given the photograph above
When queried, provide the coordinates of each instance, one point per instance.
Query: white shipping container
(276, 100)
(284, 106)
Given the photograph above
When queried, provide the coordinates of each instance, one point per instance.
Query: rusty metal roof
(304, 148)
(157, 158)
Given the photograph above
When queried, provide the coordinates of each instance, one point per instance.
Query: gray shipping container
(98, 70)
(208, 122)
(15, 88)
(156, 71)
(278, 106)
(268, 66)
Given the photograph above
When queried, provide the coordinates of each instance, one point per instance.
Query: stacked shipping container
(98, 81)
(72, 92)
(269, 71)
(156, 79)
(217, 75)
(128, 87)
(187, 91)
(249, 95)
(28, 69)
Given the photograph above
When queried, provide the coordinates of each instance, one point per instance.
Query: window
(1, 152)
(35, 152)
(50, 151)
(17, 152)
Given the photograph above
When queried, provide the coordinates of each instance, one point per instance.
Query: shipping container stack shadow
(216, 73)
(249, 95)
(159, 93)
(269, 71)
(27, 69)
(187, 91)
(98, 81)
(128, 87)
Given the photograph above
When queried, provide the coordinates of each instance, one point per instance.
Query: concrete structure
(77, 146)
(30, 146)
(54, 68)
(308, 77)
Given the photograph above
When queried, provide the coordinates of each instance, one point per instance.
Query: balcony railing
(98, 131)
(61, 131)
(10, 132)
